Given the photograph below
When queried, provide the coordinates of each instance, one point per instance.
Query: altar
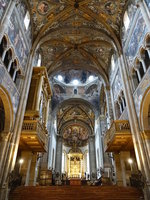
(75, 181)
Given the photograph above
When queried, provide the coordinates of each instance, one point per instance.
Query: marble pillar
(32, 179)
(24, 168)
(58, 164)
(92, 157)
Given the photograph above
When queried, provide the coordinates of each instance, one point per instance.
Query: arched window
(2, 116)
(18, 73)
(12, 69)
(141, 70)
(146, 59)
(112, 63)
(135, 78)
(75, 91)
(39, 60)
(117, 110)
(123, 100)
(7, 58)
(3, 45)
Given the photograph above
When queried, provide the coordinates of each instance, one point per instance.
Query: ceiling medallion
(43, 7)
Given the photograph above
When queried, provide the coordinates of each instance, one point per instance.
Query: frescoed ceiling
(75, 123)
(81, 84)
(75, 34)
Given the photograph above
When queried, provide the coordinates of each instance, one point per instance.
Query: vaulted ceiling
(75, 123)
(77, 34)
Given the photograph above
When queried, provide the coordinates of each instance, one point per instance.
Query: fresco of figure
(43, 7)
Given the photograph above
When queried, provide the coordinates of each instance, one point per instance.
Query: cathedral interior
(74, 97)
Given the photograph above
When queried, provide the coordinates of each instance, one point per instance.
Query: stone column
(124, 156)
(25, 166)
(92, 156)
(141, 154)
(32, 179)
(118, 169)
(58, 164)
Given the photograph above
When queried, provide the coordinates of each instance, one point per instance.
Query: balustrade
(37, 131)
(118, 136)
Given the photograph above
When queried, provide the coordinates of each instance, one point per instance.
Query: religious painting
(75, 134)
(3, 6)
(92, 90)
(17, 40)
(43, 7)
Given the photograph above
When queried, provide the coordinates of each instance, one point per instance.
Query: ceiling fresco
(87, 87)
(75, 135)
(75, 122)
(77, 33)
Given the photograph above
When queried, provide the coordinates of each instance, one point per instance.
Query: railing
(118, 126)
(36, 127)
